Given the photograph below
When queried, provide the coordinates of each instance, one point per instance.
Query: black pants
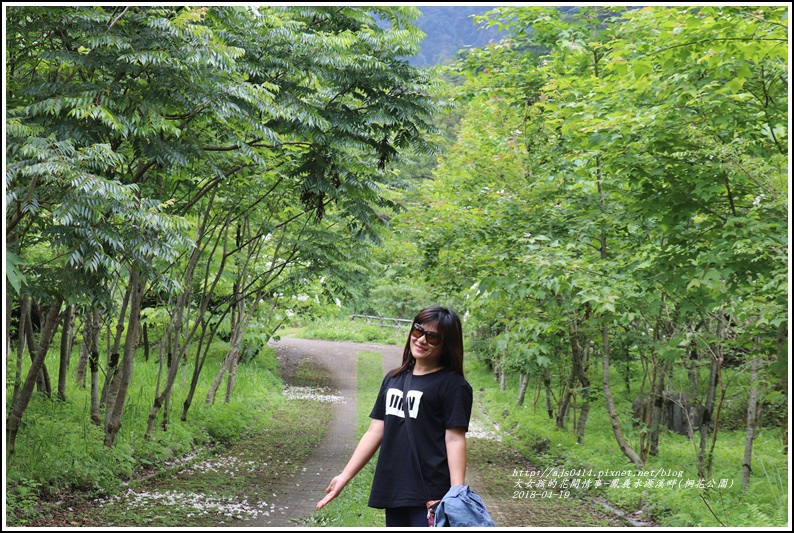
(406, 517)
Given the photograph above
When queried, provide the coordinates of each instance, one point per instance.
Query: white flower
(308, 393)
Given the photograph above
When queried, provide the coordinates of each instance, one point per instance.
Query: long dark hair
(449, 327)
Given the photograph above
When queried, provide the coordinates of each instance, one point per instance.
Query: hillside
(448, 29)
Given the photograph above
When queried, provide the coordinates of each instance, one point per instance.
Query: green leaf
(13, 273)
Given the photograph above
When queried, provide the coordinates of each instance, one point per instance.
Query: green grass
(350, 509)
(59, 450)
(354, 331)
(220, 484)
(683, 505)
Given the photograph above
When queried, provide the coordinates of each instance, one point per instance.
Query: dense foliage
(617, 196)
(190, 172)
(611, 204)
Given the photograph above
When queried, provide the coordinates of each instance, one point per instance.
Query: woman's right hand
(334, 489)
(364, 451)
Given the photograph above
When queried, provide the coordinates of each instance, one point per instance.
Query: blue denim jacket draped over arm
(462, 507)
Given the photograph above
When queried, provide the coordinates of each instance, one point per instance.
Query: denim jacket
(462, 507)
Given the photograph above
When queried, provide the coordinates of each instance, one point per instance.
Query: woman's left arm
(456, 455)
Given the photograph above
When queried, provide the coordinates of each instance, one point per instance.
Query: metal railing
(384, 321)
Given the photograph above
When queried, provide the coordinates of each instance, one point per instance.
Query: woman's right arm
(366, 448)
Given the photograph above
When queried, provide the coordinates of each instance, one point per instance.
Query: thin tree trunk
(210, 399)
(43, 377)
(610, 404)
(549, 393)
(707, 422)
(782, 355)
(576, 361)
(145, 333)
(585, 382)
(93, 362)
(523, 381)
(21, 345)
(657, 405)
(501, 364)
(114, 356)
(694, 373)
(48, 328)
(204, 340)
(131, 343)
(9, 313)
(752, 422)
(66, 333)
(82, 360)
(175, 351)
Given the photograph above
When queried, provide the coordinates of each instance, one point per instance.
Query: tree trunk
(145, 333)
(657, 405)
(576, 363)
(116, 407)
(24, 316)
(610, 404)
(232, 373)
(782, 359)
(66, 348)
(26, 392)
(239, 326)
(565, 402)
(175, 327)
(549, 393)
(82, 360)
(43, 376)
(210, 399)
(752, 422)
(113, 355)
(523, 381)
(707, 423)
(585, 383)
(199, 364)
(9, 312)
(694, 372)
(93, 362)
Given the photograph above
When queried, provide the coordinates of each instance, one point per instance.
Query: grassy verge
(354, 331)
(350, 509)
(680, 502)
(218, 486)
(61, 464)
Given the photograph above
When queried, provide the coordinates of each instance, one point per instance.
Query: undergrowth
(684, 500)
(60, 450)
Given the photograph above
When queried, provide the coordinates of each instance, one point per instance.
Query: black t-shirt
(438, 401)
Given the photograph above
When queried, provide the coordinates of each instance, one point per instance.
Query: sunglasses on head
(432, 338)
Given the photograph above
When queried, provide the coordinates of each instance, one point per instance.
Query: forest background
(603, 195)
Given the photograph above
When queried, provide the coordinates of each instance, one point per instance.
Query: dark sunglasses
(432, 338)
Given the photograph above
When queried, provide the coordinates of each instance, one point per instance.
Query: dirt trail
(296, 499)
(491, 461)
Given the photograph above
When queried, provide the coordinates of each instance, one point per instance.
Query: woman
(439, 403)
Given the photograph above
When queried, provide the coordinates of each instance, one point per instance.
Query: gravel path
(297, 500)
